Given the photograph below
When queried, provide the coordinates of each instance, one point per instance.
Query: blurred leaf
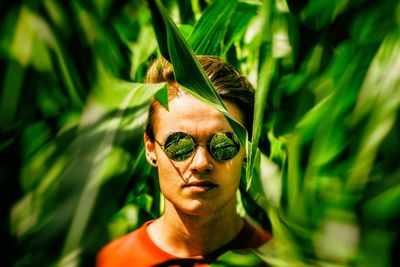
(209, 31)
(266, 67)
(102, 157)
(318, 14)
(58, 16)
(385, 204)
(142, 48)
(239, 22)
(244, 258)
(11, 92)
(381, 105)
(124, 221)
(34, 137)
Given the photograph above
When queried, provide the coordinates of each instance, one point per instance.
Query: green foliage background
(323, 158)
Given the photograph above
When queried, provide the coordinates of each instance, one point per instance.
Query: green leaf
(187, 70)
(162, 97)
(209, 31)
(267, 67)
(239, 23)
(104, 156)
(242, 258)
(319, 13)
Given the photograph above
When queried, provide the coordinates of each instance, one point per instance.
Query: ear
(150, 151)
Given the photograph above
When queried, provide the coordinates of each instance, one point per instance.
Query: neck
(186, 235)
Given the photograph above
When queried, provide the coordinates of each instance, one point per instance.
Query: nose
(201, 162)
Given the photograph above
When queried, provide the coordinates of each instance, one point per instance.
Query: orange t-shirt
(137, 249)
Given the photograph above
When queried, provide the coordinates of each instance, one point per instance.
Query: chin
(197, 208)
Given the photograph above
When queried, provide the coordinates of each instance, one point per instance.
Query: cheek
(238, 162)
(169, 174)
(236, 173)
(165, 170)
(165, 181)
(232, 172)
(238, 166)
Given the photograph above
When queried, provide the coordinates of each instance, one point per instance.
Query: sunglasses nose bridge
(202, 144)
(205, 146)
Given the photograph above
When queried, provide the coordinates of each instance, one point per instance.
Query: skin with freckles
(200, 192)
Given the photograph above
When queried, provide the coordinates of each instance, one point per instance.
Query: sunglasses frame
(207, 145)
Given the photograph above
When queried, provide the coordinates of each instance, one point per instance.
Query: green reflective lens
(224, 146)
(180, 146)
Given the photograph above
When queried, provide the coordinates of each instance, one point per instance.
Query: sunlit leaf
(209, 31)
(187, 70)
(239, 23)
(238, 259)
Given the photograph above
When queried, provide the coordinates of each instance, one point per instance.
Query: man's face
(199, 185)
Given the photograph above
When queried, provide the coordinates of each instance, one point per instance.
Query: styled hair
(227, 81)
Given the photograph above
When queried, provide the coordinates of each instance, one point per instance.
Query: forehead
(188, 114)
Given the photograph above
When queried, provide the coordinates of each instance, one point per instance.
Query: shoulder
(118, 250)
(252, 236)
(134, 247)
(121, 244)
(249, 237)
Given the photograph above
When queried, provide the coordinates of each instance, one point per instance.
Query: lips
(204, 185)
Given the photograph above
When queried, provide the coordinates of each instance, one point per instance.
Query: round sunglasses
(180, 146)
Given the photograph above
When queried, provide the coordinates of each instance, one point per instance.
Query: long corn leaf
(209, 31)
(187, 70)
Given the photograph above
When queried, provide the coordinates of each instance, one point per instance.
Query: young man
(199, 161)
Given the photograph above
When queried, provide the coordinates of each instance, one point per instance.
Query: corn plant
(322, 171)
